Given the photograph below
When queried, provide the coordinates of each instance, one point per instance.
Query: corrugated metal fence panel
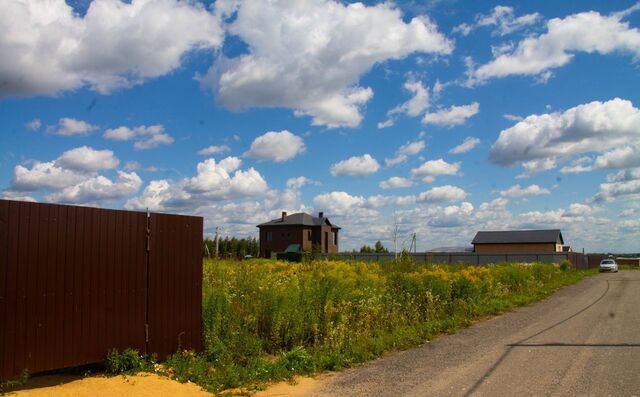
(73, 285)
(68, 276)
(175, 284)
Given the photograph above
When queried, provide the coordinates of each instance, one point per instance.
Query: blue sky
(447, 116)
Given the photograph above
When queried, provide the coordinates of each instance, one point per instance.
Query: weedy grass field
(266, 320)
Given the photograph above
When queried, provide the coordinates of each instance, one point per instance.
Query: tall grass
(266, 320)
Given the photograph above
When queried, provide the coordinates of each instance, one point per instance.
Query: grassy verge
(267, 321)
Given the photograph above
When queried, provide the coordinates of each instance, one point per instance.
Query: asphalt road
(582, 341)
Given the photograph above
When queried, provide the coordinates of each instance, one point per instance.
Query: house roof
(519, 237)
(299, 219)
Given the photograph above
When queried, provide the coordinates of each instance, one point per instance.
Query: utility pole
(396, 227)
(217, 239)
(414, 244)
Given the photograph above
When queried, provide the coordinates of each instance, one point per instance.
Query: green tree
(379, 248)
(365, 249)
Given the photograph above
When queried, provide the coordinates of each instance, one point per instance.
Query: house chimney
(284, 215)
(320, 214)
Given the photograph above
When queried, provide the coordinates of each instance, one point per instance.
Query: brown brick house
(303, 229)
(519, 241)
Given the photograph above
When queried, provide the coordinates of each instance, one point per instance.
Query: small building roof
(519, 237)
(299, 219)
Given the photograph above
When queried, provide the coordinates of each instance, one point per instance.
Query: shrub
(129, 361)
(565, 265)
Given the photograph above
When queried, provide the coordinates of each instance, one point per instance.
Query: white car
(608, 265)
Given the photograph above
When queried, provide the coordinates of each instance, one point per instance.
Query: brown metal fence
(76, 282)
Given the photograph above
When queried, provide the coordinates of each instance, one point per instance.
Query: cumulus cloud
(338, 203)
(449, 117)
(298, 182)
(69, 127)
(608, 128)
(431, 169)
(442, 194)
(44, 175)
(70, 168)
(404, 151)
(355, 166)
(98, 188)
(34, 124)
(73, 178)
(588, 32)
(310, 55)
(413, 107)
(87, 159)
(395, 182)
(502, 18)
(622, 157)
(517, 191)
(533, 167)
(466, 146)
(144, 137)
(213, 182)
(214, 150)
(276, 146)
(624, 184)
(47, 48)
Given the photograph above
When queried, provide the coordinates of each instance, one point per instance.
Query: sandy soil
(301, 386)
(141, 385)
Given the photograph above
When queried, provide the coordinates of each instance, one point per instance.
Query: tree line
(232, 247)
(378, 248)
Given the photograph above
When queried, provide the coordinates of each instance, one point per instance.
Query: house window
(269, 236)
(309, 235)
(335, 238)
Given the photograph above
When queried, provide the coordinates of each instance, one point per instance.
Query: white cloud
(213, 183)
(34, 125)
(97, 189)
(578, 209)
(466, 146)
(310, 55)
(449, 117)
(20, 196)
(413, 107)
(404, 151)
(132, 165)
(298, 182)
(622, 157)
(533, 167)
(69, 127)
(623, 184)
(504, 20)
(593, 127)
(356, 166)
(43, 176)
(431, 169)
(87, 159)
(144, 137)
(587, 32)
(47, 48)
(338, 202)
(395, 182)
(70, 168)
(512, 117)
(276, 146)
(517, 191)
(214, 150)
(442, 194)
